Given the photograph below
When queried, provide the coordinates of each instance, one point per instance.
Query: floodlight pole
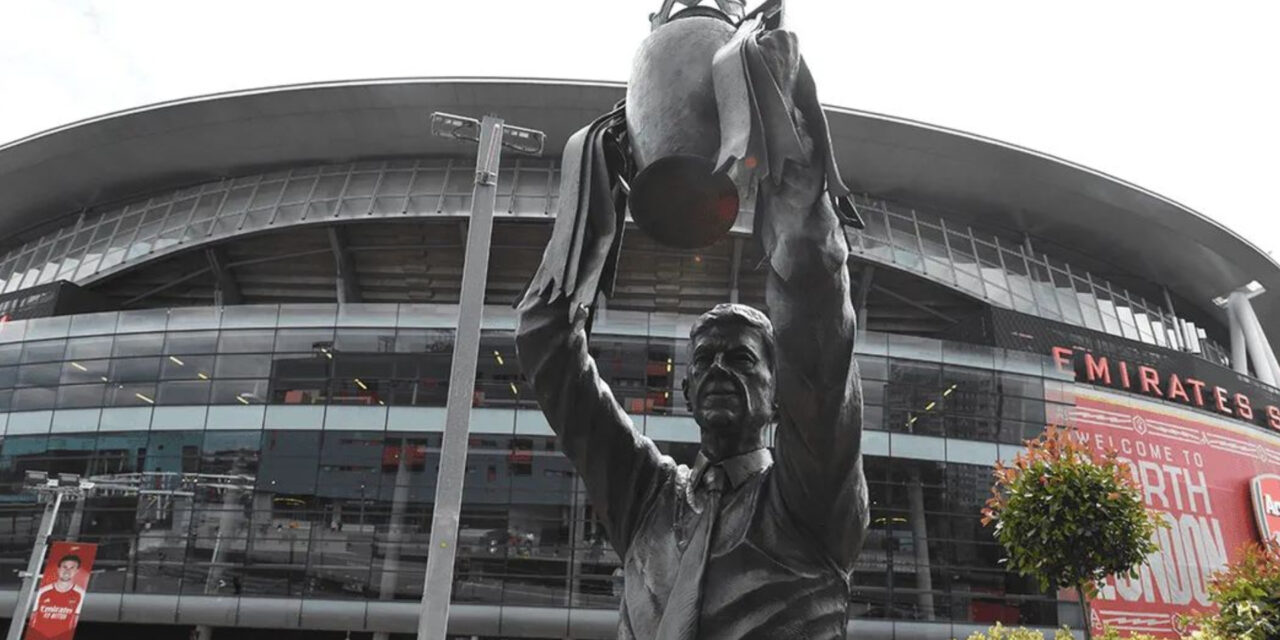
(433, 616)
(22, 608)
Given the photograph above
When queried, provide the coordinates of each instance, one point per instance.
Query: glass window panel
(143, 320)
(1160, 332)
(428, 181)
(183, 392)
(242, 366)
(246, 341)
(424, 340)
(43, 328)
(179, 215)
(186, 367)
(94, 323)
(89, 263)
(329, 187)
(395, 183)
(256, 219)
(196, 231)
(365, 340)
(246, 316)
(10, 353)
(8, 377)
(289, 214)
(226, 225)
(231, 452)
(124, 232)
(236, 202)
(128, 370)
(88, 348)
(354, 207)
(191, 342)
(297, 190)
(1110, 321)
(299, 390)
(207, 205)
(43, 351)
(1144, 327)
(130, 394)
(138, 344)
(39, 374)
(319, 210)
(247, 391)
(111, 258)
(34, 398)
(267, 194)
(80, 395)
(367, 315)
(80, 371)
(1128, 328)
(303, 340)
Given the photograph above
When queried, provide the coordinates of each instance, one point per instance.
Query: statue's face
(730, 384)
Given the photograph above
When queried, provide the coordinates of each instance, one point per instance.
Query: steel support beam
(1239, 357)
(348, 288)
(1254, 339)
(864, 289)
(228, 289)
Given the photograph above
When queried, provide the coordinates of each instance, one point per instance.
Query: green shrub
(1067, 518)
(1248, 597)
(1111, 634)
(1000, 632)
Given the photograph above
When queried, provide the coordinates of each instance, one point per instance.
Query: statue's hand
(795, 223)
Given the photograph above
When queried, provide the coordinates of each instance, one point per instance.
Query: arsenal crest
(1266, 506)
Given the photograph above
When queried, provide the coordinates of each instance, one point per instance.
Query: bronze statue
(746, 543)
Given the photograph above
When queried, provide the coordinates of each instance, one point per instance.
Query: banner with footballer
(60, 593)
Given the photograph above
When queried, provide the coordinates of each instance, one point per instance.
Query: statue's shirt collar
(737, 469)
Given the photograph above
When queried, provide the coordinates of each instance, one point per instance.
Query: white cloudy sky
(1179, 97)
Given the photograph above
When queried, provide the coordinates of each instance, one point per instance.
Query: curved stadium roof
(65, 170)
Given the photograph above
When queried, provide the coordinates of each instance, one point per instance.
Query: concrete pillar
(1239, 362)
(920, 536)
(395, 532)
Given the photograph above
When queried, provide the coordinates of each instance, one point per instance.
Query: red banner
(1197, 473)
(60, 593)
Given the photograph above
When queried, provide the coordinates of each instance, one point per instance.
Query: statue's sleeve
(621, 468)
(818, 472)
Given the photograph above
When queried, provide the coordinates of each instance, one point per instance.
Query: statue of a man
(746, 543)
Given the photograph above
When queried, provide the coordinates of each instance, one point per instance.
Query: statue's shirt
(761, 578)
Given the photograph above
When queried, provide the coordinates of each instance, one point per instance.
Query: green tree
(1069, 518)
(1248, 597)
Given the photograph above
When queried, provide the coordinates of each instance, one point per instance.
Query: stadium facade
(243, 305)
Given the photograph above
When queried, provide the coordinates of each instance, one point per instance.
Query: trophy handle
(734, 10)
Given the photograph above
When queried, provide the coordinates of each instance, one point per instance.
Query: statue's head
(729, 385)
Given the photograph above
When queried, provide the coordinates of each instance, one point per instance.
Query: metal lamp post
(50, 491)
(492, 134)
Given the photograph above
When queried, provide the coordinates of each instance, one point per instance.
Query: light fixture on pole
(51, 491)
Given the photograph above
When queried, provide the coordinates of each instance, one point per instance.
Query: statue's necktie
(680, 617)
